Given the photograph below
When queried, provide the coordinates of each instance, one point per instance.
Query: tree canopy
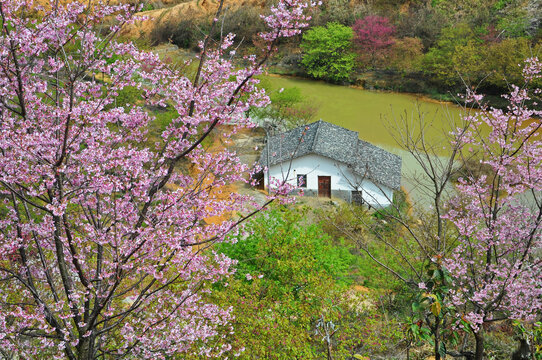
(327, 52)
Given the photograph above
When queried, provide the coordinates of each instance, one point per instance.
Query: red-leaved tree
(373, 35)
(104, 228)
(497, 266)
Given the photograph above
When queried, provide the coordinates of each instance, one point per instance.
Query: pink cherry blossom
(496, 264)
(106, 229)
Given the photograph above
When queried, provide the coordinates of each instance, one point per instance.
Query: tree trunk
(84, 349)
(436, 330)
(478, 337)
(329, 350)
(437, 345)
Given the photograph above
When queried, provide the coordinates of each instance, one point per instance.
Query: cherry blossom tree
(105, 229)
(497, 268)
(373, 34)
(473, 257)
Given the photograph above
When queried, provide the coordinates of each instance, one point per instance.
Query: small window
(259, 180)
(357, 197)
(302, 181)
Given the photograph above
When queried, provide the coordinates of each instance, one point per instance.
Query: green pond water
(372, 113)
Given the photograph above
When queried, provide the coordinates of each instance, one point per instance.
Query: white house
(330, 161)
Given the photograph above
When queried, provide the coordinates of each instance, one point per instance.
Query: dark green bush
(340, 11)
(185, 34)
(245, 23)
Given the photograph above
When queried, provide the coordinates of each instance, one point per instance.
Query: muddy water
(372, 113)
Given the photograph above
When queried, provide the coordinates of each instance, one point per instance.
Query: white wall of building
(341, 177)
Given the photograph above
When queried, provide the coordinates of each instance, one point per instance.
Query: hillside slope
(182, 11)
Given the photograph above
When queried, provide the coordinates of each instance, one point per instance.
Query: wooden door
(324, 186)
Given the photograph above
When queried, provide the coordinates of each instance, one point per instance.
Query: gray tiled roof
(337, 143)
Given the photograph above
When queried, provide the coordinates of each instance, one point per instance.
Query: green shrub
(327, 52)
(339, 11)
(287, 251)
(184, 34)
(289, 275)
(244, 22)
(438, 62)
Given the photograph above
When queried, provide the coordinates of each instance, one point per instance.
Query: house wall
(343, 181)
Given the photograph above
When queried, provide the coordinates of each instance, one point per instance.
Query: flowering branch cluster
(105, 228)
(497, 268)
(287, 19)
